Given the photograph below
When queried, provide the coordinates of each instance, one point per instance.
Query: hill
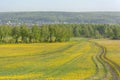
(59, 17)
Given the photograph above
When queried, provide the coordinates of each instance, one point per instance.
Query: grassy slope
(47, 61)
(75, 60)
(112, 54)
(113, 49)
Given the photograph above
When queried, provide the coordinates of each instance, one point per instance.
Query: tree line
(56, 32)
(34, 34)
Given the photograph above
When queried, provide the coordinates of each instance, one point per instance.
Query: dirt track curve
(113, 67)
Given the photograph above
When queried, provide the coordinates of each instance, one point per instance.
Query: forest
(57, 32)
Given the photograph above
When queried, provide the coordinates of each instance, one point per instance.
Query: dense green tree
(52, 32)
(16, 33)
(76, 31)
(44, 33)
(35, 32)
(1, 33)
(5, 32)
(24, 31)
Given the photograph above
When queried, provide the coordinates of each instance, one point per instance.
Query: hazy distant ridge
(60, 17)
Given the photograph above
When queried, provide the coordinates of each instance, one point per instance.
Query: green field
(79, 59)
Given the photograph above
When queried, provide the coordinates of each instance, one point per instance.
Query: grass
(112, 54)
(113, 49)
(78, 59)
(47, 61)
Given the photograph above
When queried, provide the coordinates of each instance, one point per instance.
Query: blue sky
(59, 5)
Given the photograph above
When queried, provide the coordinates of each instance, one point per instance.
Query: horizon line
(55, 11)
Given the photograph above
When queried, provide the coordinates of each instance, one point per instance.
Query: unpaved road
(113, 67)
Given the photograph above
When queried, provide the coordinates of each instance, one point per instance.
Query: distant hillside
(59, 17)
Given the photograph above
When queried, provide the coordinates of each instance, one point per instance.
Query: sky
(59, 5)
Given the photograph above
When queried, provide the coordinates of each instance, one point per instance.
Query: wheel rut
(99, 63)
(113, 67)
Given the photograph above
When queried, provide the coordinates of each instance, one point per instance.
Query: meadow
(78, 59)
(112, 50)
